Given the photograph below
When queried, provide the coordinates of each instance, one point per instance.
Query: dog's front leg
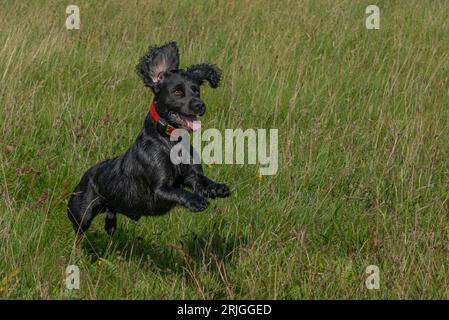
(204, 186)
(194, 202)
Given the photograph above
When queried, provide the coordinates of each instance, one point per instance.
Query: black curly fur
(205, 71)
(147, 68)
(144, 181)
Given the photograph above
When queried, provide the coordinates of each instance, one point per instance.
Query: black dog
(144, 181)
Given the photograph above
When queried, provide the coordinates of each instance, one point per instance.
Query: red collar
(161, 124)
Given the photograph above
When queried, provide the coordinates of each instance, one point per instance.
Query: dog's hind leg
(84, 205)
(110, 224)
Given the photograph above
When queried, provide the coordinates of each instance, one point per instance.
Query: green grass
(363, 149)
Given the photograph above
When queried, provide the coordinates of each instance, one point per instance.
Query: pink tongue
(193, 124)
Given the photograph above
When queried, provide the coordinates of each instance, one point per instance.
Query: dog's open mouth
(185, 122)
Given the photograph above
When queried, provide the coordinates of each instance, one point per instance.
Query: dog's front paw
(223, 191)
(217, 190)
(197, 203)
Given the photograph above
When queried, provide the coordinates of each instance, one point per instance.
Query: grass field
(363, 149)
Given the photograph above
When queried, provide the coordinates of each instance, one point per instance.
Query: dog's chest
(180, 172)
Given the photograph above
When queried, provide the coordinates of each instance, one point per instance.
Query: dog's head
(177, 91)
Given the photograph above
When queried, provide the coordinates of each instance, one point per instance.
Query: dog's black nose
(199, 107)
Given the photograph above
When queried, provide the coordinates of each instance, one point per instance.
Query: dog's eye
(179, 93)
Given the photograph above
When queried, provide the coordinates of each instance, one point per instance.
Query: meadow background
(363, 149)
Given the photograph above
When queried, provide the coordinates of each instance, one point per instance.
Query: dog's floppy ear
(204, 71)
(156, 62)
